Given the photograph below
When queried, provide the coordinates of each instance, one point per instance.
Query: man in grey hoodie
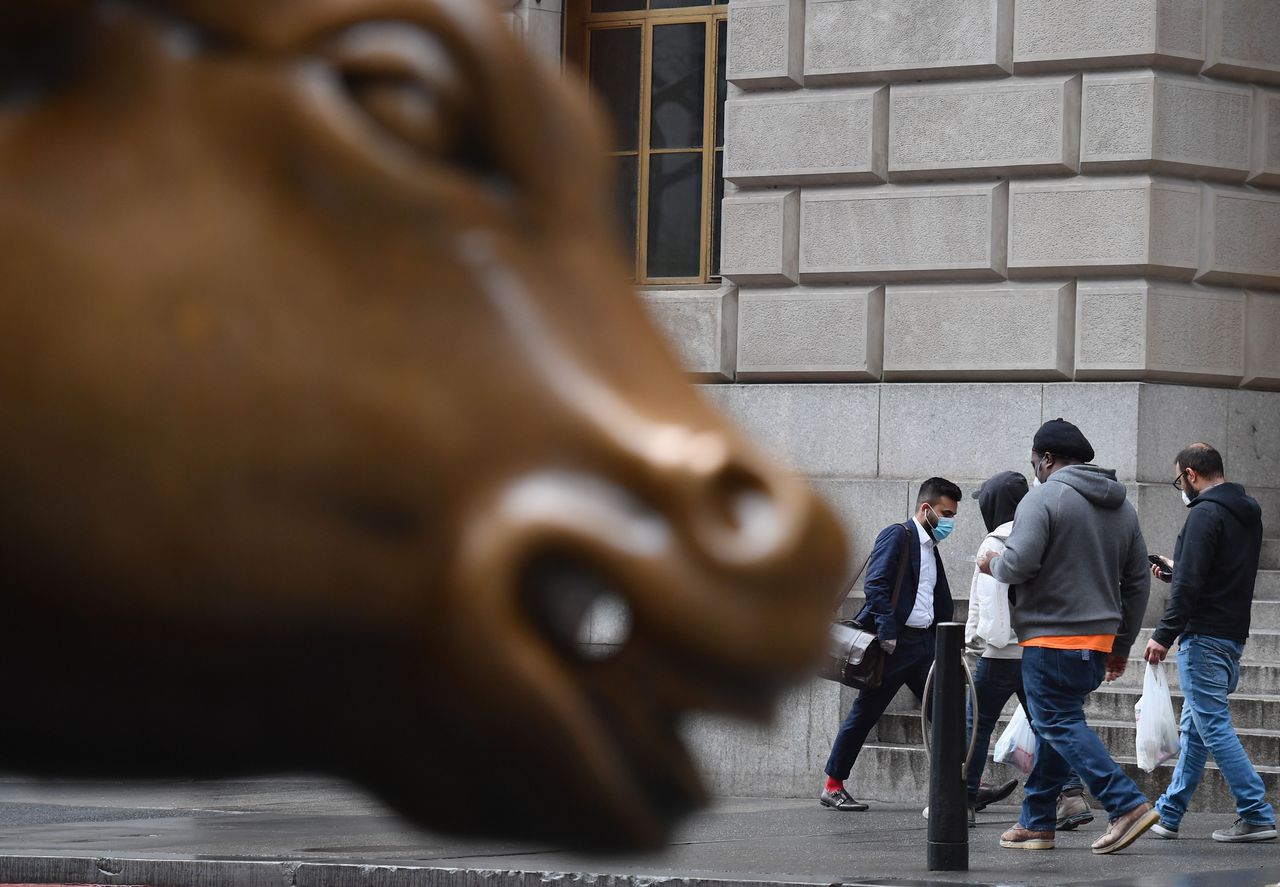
(1079, 563)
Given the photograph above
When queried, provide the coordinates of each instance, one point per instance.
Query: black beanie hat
(1060, 437)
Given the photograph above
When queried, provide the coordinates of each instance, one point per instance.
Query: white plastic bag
(1017, 744)
(1157, 733)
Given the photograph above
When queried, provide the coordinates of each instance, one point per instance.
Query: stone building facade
(946, 221)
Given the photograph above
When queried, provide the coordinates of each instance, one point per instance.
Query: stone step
(1110, 703)
(1270, 559)
(1267, 586)
(1263, 646)
(1117, 735)
(1248, 712)
(1258, 679)
(899, 774)
(1266, 614)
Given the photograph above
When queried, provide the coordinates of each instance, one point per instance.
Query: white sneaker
(1164, 831)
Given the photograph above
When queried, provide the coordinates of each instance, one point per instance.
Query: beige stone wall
(1094, 187)
(947, 221)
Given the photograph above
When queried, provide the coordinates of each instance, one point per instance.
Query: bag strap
(903, 556)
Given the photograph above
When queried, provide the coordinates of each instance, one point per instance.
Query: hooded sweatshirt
(1078, 559)
(988, 622)
(1215, 564)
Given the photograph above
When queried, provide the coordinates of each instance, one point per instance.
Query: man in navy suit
(905, 632)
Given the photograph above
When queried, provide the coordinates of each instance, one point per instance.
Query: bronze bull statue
(327, 421)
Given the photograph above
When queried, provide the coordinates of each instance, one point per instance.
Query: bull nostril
(576, 608)
(739, 499)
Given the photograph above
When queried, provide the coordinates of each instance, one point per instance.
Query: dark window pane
(679, 81)
(628, 184)
(715, 215)
(615, 81)
(722, 44)
(680, 4)
(616, 5)
(675, 215)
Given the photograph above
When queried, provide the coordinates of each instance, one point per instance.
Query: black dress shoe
(990, 794)
(840, 800)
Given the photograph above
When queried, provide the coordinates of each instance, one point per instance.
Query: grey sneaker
(1168, 832)
(1244, 832)
(1073, 810)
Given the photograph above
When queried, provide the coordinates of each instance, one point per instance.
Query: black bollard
(948, 805)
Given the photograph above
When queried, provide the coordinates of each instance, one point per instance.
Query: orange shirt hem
(1102, 643)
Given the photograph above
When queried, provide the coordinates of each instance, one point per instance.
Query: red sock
(833, 784)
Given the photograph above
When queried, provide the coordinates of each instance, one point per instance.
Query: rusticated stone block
(808, 333)
(1107, 414)
(894, 232)
(1253, 440)
(701, 327)
(1169, 418)
(758, 239)
(1241, 238)
(815, 136)
(1055, 35)
(819, 430)
(1013, 127)
(1243, 40)
(1262, 345)
(1265, 166)
(1157, 122)
(1087, 226)
(766, 43)
(980, 420)
(998, 333)
(1152, 330)
(851, 41)
(864, 508)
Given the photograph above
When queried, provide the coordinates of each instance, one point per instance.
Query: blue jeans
(1056, 683)
(995, 680)
(1209, 670)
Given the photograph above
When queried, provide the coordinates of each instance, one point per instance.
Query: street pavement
(312, 832)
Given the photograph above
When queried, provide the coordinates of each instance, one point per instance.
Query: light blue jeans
(1209, 669)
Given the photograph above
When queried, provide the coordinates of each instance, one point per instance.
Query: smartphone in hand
(1161, 566)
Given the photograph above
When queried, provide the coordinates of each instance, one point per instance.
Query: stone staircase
(893, 766)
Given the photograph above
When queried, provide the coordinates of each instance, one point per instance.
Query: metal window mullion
(713, 78)
(642, 193)
(708, 146)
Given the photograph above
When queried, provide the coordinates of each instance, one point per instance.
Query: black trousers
(908, 665)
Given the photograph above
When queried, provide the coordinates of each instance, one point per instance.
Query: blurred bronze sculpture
(325, 416)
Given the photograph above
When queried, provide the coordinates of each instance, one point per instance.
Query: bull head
(327, 422)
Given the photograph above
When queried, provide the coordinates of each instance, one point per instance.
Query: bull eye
(408, 83)
(575, 607)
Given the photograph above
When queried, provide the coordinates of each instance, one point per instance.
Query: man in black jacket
(1215, 563)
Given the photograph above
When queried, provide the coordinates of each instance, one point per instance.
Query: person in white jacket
(999, 672)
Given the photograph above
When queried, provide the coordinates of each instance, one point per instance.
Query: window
(657, 69)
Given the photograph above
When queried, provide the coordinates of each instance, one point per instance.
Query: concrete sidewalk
(300, 832)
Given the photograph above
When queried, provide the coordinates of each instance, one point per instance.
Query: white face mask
(1035, 482)
(1186, 500)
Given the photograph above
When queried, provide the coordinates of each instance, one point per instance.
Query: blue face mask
(946, 525)
(944, 528)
